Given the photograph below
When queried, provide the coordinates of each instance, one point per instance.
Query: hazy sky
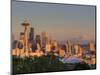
(60, 21)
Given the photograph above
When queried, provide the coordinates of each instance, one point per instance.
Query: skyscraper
(47, 47)
(43, 34)
(38, 39)
(31, 35)
(68, 47)
(31, 38)
(91, 46)
(76, 47)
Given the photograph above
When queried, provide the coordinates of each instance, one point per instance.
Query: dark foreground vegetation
(44, 64)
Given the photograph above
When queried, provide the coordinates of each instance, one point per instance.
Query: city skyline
(61, 37)
(61, 22)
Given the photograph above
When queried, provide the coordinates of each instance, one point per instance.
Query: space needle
(25, 24)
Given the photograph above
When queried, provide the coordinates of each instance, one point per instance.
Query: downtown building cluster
(31, 44)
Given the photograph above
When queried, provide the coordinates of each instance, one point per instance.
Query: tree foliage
(44, 64)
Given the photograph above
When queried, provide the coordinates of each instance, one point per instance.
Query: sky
(59, 21)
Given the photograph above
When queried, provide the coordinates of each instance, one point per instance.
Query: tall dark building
(38, 39)
(31, 35)
(31, 38)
